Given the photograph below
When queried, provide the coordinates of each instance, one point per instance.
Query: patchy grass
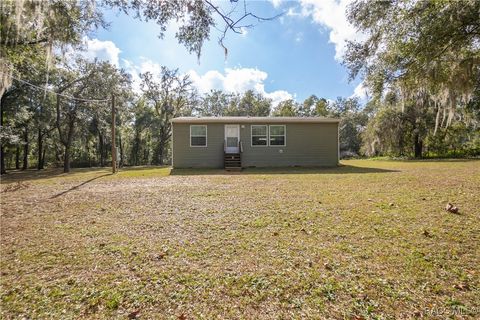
(368, 240)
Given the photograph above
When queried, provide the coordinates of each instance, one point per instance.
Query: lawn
(368, 240)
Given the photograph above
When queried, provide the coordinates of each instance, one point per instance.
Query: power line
(60, 94)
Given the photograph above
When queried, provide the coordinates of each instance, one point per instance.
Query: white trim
(225, 137)
(277, 135)
(251, 135)
(206, 135)
(338, 143)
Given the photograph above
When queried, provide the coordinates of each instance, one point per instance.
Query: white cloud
(134, 72)
(292, 13)
(102, 50)
(276, 3)
(360, 92)
(278, 96)
(237, 80)
(331, 14)
(145, 65)
(244, 31)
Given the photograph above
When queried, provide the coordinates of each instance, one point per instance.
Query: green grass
(367, 240)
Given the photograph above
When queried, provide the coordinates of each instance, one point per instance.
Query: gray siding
(185, 156)
(307, 144)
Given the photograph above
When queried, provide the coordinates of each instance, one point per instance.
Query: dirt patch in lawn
(372, 242)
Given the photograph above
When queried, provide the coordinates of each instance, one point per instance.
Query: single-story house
(236, 142)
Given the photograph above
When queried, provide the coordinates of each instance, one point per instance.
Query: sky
(291, 57)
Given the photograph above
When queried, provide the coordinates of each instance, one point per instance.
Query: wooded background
(420, 62)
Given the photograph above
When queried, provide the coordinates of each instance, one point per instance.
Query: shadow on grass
(416, 160)
(33, 174)
(440, 160)
(50, 173)
(79, 185)
(342, 169)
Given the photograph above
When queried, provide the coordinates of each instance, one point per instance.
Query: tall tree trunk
(121, 149)
(101, 146)
(40, 149)
(25, 150)
(160, 152)
(87, 149)
(2, 160)
(3, 169)
(17, 157)
(136, 149)
(43, 157)
(68, 144)
(418, 146)
(66, 159)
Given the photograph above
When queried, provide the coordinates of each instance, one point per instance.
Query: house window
(259, 135)
(198, 136)
(277, 135)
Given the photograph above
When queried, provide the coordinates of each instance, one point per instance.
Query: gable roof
(254, 120)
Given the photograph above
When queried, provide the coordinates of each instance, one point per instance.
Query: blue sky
(293, 56)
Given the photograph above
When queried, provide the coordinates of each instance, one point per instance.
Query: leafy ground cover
(368, 240)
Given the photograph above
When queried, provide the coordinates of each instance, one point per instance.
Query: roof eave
(253, 120)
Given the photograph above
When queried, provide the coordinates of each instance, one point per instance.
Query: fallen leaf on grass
(133, 314)
(17, 186)
(462, 286)
(427, 234)
(451, 208)
(305, 231)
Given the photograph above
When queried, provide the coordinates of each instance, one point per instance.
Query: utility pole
(114, 149)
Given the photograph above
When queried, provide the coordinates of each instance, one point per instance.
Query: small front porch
(232, 161)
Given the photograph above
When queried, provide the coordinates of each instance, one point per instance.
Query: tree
(253, 104)
(215, 103)
(30, 28)
(34, 34)
(420, 48)
(313, 106)
(171, 95)
(85, 80)
(144, 116)
(286, 108)
(194, 17)
(352, 123)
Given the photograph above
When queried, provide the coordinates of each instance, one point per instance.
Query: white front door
(232, 138)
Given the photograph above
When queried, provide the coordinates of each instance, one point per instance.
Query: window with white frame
(198, 135)
(277, 135)
(259, 135)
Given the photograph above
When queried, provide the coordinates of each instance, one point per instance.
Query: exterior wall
(307, 144)
(185, 156)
